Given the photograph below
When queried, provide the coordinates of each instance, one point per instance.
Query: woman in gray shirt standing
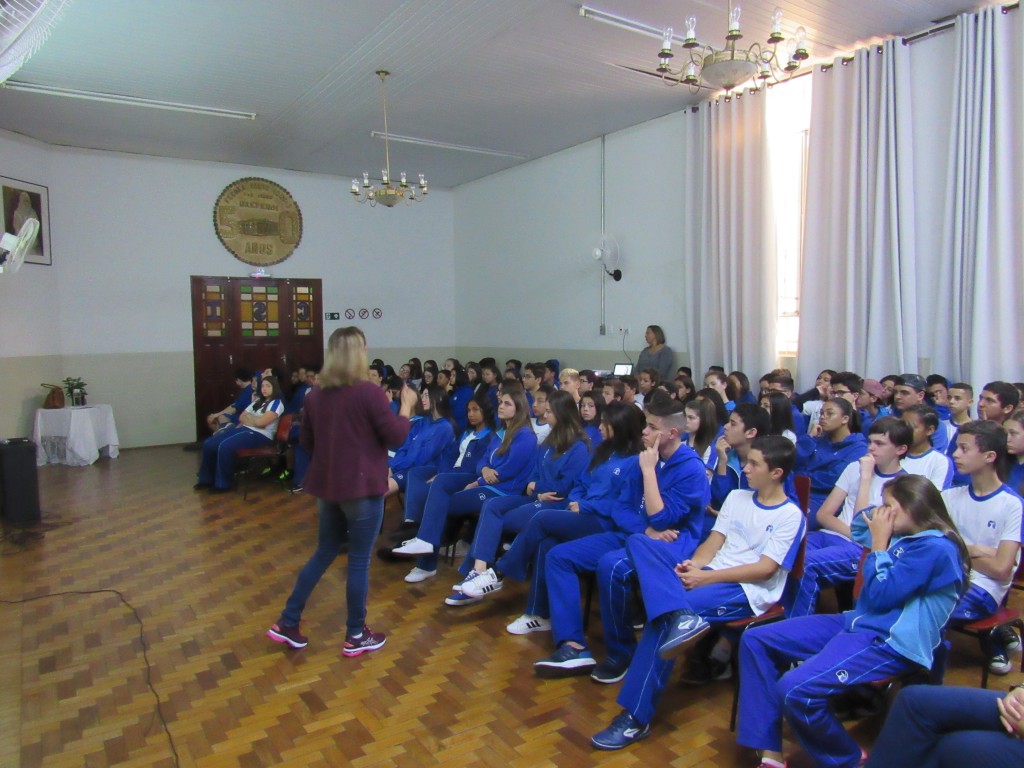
(657, 355)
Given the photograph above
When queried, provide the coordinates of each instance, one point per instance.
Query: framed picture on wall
(25, 200)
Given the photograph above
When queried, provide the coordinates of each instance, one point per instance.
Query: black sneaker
(624, 730)
(366, 641)
(1006, 637)
(684, 628)
(565, 662)
(999, 663)
(609, 671)
(704, 671)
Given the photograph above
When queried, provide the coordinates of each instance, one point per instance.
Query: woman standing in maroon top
(347, 428)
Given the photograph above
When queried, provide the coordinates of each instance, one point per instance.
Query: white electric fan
(14, 247)
(608, 256)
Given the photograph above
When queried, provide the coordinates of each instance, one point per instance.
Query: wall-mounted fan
(14, 247)
(607, 254)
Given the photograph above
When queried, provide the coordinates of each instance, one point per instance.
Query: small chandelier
(387, 192)
(730, 66)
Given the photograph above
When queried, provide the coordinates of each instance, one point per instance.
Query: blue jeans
(938, 727)
(355, 522)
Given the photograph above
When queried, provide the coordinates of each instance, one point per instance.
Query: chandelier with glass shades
(731, 66)
(704, 66)
(387, 192)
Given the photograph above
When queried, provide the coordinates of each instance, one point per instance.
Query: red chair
(803, 492)
(266, 454)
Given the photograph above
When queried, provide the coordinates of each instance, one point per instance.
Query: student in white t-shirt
(922, 459)
(831, 555)
(739, 571)
(988, 515)
(539, 422)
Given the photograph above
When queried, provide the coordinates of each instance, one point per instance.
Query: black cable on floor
(142, 640)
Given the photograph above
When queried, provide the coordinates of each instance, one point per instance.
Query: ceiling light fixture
(131, 101)
(387, 193)
(446, 145)
(723, 68)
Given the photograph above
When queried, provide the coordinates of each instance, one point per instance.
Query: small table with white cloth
(75, 436)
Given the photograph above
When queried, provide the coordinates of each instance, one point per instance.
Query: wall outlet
(624, 331)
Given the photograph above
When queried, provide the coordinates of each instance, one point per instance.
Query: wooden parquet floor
(208, 574)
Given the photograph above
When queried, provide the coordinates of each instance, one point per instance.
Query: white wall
(525, 236)
(127, 233)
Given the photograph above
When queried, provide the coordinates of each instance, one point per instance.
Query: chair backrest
(284, 426)
(858, 583)
(803, 492)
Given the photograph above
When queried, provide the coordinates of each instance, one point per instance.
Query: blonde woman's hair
(346, 361)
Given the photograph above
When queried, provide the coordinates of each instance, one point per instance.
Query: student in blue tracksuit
(463, 459)
(931, 727)
(1014, 427)
(505, 472)
(256, 427)
(831, 555)
(429, 437)
(913, 577)
(740, 570)
(675, 493)
(781, 381)
(605, 501)
(869, 404)
(459, 398)
(961, 400)
(827, 450)
(591, 405)
(560, 461)
(702, 430)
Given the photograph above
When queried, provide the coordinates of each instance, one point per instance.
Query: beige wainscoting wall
(20, 380)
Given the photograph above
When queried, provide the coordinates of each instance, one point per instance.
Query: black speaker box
(19, 483)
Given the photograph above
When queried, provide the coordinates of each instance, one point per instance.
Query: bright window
(788, 122)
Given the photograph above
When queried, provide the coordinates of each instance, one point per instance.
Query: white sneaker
(482, 584)
(414, 547)
(461, 549)
(458, 587)
(526, 624)
(416, 575)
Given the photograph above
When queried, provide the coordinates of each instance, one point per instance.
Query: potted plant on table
(74, 388)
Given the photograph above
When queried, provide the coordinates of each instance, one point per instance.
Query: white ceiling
(523, 76)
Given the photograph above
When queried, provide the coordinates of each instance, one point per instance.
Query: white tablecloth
(75, 436)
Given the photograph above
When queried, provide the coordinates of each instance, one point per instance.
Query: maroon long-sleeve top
(347, 431)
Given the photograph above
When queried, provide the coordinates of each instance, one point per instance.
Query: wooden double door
(254, 323)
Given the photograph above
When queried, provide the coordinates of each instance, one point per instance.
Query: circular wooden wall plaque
(258, 221)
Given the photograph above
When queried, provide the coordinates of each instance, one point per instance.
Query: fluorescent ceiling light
(613, 20)
(446, 145)
(132, 101)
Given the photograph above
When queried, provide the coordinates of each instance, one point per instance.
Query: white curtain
(857, 299)
(978, 311)
(730, 250)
